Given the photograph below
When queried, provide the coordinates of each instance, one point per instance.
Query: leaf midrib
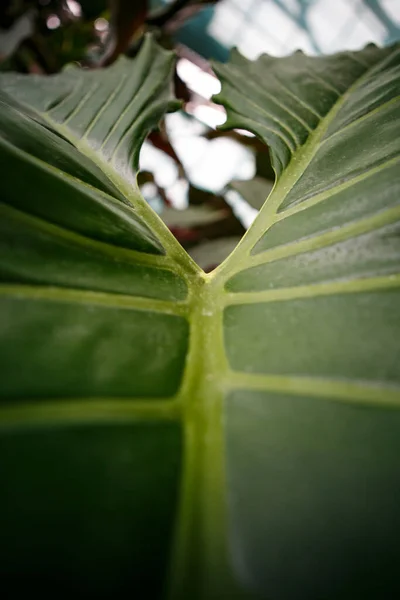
(210, 488)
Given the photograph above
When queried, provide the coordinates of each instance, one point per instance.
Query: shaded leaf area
(330, 485)
(79, 533)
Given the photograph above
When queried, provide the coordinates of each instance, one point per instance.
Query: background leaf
(255, 191)
(211, 253)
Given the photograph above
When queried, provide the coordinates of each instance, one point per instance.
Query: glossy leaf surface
(171, 433)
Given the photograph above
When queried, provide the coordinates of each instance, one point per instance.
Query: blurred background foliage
(206, 184)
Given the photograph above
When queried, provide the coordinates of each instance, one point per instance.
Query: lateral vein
(72, 411)
(333, 191)
(71, 295)
(329, 288)
(327, 238)
(359, 392)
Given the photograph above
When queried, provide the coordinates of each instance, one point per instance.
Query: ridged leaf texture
(167, 433)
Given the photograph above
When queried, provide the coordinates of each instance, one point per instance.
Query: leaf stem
(201, 564)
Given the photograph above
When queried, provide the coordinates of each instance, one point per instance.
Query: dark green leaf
(167, 432)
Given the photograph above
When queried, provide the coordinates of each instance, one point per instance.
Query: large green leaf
(168, 432)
